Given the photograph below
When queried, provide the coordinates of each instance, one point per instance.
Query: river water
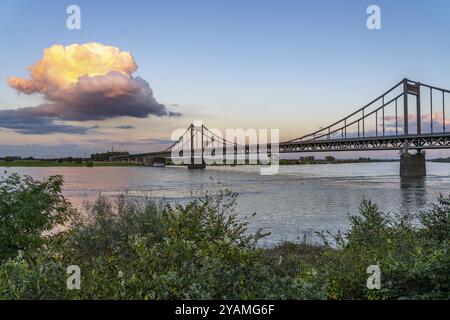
(298, 201)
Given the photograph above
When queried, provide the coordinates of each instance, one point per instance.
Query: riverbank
(88, 163)
(297, 199)
(283, 162)
(55, 163)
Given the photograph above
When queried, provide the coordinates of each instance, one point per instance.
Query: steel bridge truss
(418, 142)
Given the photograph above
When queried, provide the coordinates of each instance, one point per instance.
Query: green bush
(196, 251)
(134, 250)
(411, 251)
(28, 208)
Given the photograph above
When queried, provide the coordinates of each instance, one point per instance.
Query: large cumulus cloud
(88, 82)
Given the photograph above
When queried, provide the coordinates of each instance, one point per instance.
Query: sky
(291, 65)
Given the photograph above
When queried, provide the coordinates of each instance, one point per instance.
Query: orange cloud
(81, 82)
(62, 67)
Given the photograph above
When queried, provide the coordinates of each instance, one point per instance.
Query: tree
(308, 159)
(28, 208)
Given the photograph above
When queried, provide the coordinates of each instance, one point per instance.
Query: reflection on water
(300, 199)
(413, 193)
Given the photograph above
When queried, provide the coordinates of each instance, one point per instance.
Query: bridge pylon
(194, 162)
(412, 165)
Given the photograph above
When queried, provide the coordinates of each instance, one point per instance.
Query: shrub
(132, 250)
(28, 208)
(413, 258)
(150, 251)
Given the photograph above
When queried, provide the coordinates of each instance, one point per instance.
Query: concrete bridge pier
(196, 166)
(157, 162)
(412, 165)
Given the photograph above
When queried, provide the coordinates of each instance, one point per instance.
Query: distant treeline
(107, 155)
(94, 157)
(441, 160)
(14, 158)
(327, 159)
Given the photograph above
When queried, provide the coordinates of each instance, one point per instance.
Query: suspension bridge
(409, 116)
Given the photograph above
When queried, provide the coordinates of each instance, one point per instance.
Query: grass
(52, 163)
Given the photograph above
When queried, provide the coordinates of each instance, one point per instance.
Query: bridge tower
(412, 165)
(196, 163)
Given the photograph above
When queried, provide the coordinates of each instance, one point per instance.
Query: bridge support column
(412, 165)
(155, 162)
(197, 166)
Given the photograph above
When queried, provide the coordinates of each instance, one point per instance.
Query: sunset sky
(137, 70)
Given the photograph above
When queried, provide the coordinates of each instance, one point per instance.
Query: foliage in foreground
(29, 208)
(134, 250)
(411, 251)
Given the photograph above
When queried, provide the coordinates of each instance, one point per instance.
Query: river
(298, 201)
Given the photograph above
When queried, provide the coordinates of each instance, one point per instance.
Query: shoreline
(52, 163)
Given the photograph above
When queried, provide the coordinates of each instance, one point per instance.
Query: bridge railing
(435, 98)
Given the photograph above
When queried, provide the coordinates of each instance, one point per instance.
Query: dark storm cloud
(23, 123)
(91, 99)
(101, 98)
